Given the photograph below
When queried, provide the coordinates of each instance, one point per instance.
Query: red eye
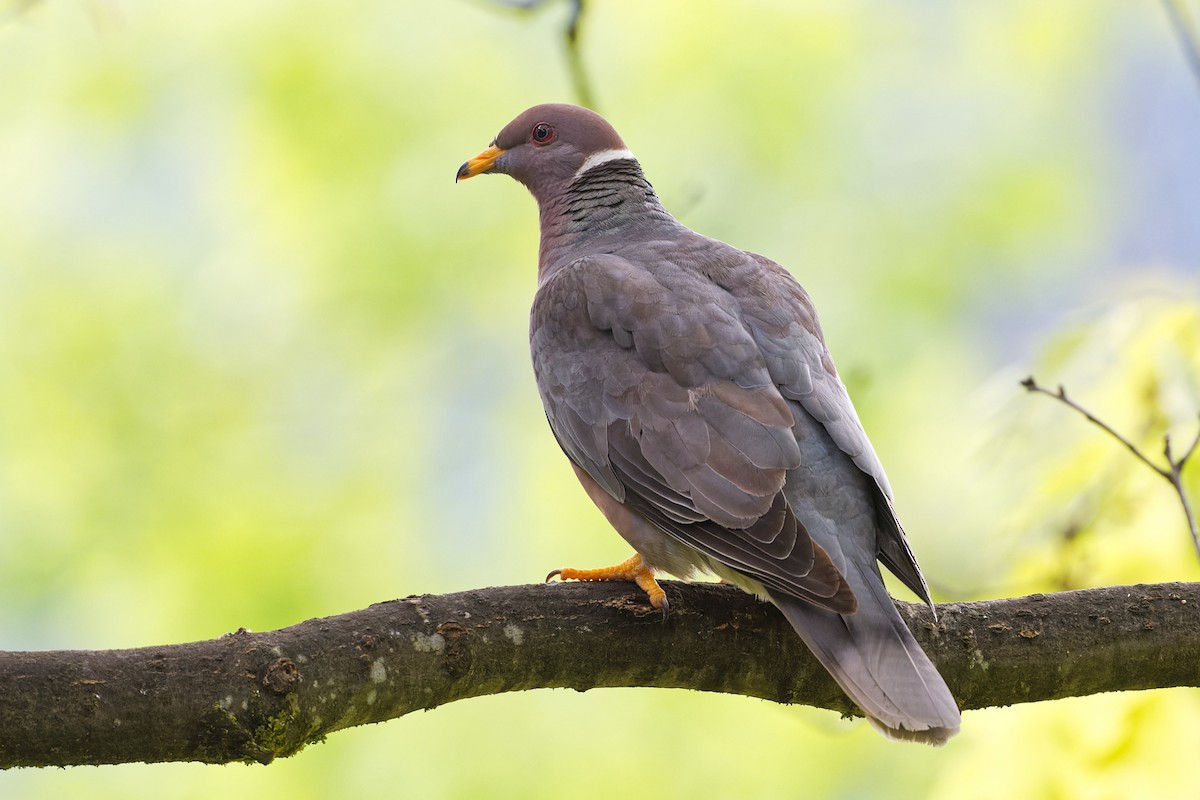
(542, 133)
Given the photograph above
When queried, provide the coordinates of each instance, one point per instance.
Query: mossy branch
(258, 696)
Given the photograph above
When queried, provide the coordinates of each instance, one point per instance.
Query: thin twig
(1172, 473)
(1191, 449)
(1186, 32)
(1061, 395)
(1176, 480)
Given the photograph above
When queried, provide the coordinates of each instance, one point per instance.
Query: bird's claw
(633, 569)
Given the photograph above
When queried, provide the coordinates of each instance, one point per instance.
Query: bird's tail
(877, 662)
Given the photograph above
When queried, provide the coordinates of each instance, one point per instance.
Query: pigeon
(689, 384)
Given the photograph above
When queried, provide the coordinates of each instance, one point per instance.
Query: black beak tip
(462, 172)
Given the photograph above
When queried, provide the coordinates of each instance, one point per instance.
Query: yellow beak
(479, 164)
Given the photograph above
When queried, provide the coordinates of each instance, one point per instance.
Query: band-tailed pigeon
(689, 384)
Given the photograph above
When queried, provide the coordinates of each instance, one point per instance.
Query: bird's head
(547, 146)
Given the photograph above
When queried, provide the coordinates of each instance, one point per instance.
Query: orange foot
(632, 569)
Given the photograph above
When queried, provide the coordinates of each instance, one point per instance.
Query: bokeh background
(262, 360)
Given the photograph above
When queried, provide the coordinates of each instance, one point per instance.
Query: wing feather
(664, 398)
(788, 331)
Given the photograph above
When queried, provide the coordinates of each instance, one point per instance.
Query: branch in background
(257, 696)
(1173, 471)
(1186, 31)
(14, 9)
(579, 77)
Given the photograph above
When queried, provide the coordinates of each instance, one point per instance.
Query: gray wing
(784, 324)
(662, 396)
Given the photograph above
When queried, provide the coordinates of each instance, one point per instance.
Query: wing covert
(657, 390)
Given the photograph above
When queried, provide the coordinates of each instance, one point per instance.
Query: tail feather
(877, 662)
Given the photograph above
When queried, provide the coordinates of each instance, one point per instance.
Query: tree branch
(575, 67)
(257, 696)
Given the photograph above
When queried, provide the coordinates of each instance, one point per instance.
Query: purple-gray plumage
(690, 386)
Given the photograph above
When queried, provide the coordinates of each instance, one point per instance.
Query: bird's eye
(541, 133)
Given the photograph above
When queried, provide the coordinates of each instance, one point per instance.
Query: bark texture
(258, 696)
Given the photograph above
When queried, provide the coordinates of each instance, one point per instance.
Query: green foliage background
(261, 360)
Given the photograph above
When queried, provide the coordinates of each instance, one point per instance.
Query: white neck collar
(603, 157)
